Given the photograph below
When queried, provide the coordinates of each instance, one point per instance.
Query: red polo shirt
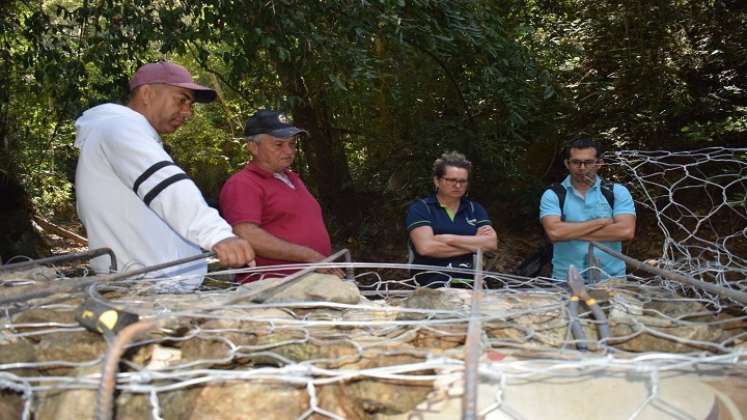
(254, 195)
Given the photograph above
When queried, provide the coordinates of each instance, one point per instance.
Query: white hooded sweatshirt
(132, 198)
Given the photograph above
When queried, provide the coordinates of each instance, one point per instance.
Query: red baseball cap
(168, 73)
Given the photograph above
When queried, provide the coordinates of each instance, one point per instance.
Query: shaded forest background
(384, 86)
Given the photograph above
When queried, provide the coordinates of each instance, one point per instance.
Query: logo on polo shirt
(471, 222)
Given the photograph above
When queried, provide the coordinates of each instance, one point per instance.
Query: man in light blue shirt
(588, 214)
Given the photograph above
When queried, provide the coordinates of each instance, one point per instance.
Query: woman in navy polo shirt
(446, 228)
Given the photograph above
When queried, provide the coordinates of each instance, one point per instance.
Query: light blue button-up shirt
(579, 209)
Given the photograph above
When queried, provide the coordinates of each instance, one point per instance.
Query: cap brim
(288, 132)
(201, 93)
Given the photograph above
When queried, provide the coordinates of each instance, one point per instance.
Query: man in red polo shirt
(268, 205)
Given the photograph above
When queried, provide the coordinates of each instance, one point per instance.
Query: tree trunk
(327, 162)
(17, 236)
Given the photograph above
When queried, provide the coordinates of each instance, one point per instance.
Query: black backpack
(532, 266)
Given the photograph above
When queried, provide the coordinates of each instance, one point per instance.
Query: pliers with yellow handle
(579, 293)
(98, 317)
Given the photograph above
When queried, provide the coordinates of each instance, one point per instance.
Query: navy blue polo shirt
(428, 212)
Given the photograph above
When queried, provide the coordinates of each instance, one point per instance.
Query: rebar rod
(110, 368)
(472, 347)
(78, 284)
(87, 255)
(735, 295)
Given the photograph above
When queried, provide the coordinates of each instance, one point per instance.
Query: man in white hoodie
(132, 198)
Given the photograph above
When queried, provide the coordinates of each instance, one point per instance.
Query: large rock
(70, 404)
(37, 276)
(70, 347)
(530, 319)
(80, 404)
(130, 406)
(11, 405)
(441, 337)
(237, 401)
(433, 303)
(44, 316)
(333, 398)
(371, 311)
(387, 396)
(261, 336)
(313, 287)
(443, 303)
(218, 337)
(18, 351)
(653, 322)
(297, 346)
(656, 322)
(43, 280)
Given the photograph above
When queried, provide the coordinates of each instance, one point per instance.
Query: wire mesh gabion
(395, 350)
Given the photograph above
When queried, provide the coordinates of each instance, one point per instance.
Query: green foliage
(646, 74)
(206, 153)
(384, 86)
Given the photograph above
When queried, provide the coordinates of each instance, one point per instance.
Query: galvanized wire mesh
(525, 336)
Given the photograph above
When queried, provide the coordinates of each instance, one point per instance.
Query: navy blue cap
(273, 123)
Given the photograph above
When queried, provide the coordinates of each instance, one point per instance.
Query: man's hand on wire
(234, 252)
(333, 271)
(317, 257)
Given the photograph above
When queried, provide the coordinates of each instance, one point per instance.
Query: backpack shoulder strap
(607, 188)
(560, 191)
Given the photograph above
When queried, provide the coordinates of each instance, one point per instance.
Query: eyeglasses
(455, 181)
(577, 163)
